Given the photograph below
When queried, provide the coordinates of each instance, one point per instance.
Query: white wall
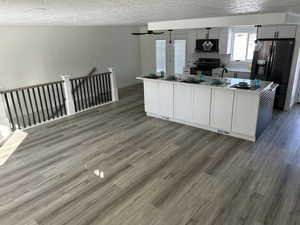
(293, 87)
(31, 55)
(147, 52)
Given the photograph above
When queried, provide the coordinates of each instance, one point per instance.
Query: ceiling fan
(148, 32)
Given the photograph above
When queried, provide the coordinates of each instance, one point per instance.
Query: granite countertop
(229, 82)
(242, 70)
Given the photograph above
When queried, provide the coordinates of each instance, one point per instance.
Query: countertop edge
(257, 91)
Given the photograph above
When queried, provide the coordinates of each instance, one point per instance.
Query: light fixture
(207, 44)
(170, 36)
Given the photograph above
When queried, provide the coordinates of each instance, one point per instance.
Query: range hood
(207, 44)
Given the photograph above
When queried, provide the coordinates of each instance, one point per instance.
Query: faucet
(224, 70)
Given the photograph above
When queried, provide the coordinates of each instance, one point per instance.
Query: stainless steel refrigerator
(272, 61)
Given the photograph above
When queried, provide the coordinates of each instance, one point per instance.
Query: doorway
(170, 57)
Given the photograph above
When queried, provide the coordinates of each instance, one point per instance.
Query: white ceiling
(129, 12)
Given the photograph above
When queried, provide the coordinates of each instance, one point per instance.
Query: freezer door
(261, 59)
(280, 65)
(281, 61)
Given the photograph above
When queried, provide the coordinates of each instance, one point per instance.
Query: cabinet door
(266, 32)
(201, 105)
(151, 96)
(286, 31)
(221, 109)
(165, 99)
(183, 102)
(245, 113)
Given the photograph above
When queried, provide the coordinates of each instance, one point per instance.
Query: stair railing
(32, 105)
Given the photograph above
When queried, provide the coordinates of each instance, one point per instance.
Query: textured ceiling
(129, 12)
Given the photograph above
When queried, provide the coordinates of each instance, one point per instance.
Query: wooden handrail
(96, 74)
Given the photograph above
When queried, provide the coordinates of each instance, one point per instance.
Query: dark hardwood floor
(113, 165)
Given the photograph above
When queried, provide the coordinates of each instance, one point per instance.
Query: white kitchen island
(223, 109)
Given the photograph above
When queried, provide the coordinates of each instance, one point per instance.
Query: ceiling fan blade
(158, 33)
(139, 33)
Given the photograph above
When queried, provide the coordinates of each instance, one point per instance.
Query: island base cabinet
(221, 110)
(192, 104)
(245, 114)
(183, 102)
(239, 113)
(151, 96)
(165, 100)
(201, 105)
(158, 97)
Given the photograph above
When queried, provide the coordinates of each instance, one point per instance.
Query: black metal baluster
(104, 87)
(36, 105)
(14, 105)
(54, 100)
(91, 90)
(41, 103)
(96, 89)
(100, 88)
(63, 98)
(26, 107)
(21, 111)
(79, 84)
(109, 87)
(46, 103)
(106, 84)
(9, 112)
(86, 92)
(30, 101)
(77, 95)
(73, 94)
(50, 101)
(59, 102)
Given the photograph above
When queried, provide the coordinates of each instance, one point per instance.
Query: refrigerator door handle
(272, 58)
(266, 74)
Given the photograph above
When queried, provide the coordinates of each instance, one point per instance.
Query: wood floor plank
(113, 165)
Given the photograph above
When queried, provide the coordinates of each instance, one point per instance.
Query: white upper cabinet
(221, 109)
(280, 31)
(266, 32)
(286, 31)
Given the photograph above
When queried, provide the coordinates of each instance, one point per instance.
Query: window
(160, 52)
(243, 44)
(179, 56)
